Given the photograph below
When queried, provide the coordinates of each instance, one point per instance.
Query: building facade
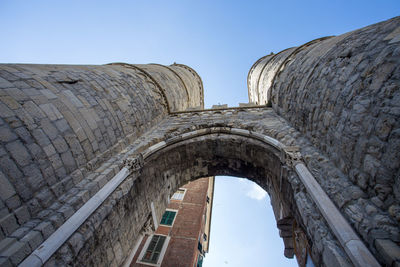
(183, 233)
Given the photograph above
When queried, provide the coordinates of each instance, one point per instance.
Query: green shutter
(168, 217)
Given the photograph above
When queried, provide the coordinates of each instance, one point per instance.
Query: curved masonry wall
(66, 132)
(343, 94)
(59, 124)
(204, 145)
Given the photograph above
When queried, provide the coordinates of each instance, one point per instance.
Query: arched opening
(156, 169)
(213, 154)
(215, 221)
(243, 227)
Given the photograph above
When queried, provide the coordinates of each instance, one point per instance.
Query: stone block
(68, 184)
(77, 176)
(17, 252)
(6, 243)
(75, 125)
(5, 111)
(60, 145)
(72, 98)
(389, 250)
(34, 206)
(76, 242)
(37, 152)
(34, 177)
(9, 224)
(66, 254)
(44, 214)
(68, 161)
(57, 220)
(13, 202)
(22, 214)
(84, 196)
(24, 135)
(6, 189)
(32, 223)
(55, 161)
(49, 150)
(49, 94)
(6, 135)
(92, 187)
(24, 118)
(3, 152)
(49, 129)
(15, 122)
(19, 153)
(4, 212)
(20, 232)
(62, 125)
(5, 83)
(46, 228)
(10, 102)
(49, 174)
(40, 137)
(58, 189)
(34, 110)
(101, 180)
(45, 197)
(61, 172)
(5, 262)
(33, 238)
(67, 211)
(51, 111)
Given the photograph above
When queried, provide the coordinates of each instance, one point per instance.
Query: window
(200, 247)
(178, 195)
(168, 217)
(208, 199)
(153, 251)
(205, 237)
(200, 261)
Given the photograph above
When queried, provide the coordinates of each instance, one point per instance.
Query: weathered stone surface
(33, 238)
(22, 214)
(66, 131)
(389, 250)
(6, 189)
(8, 224)
(16, 252)
(339, 93)
(332, 256)
(46, 228)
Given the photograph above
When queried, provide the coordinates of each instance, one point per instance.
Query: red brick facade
(193, 212)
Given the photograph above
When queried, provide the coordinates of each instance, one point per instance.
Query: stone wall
(342, 93)
(66, 131)
(209, 154)
(59, 124)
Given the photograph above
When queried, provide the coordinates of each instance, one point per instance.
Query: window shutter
(154, 249)
(168, 217)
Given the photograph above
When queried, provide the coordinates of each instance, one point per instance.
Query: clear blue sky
(219, 39)
(243, 227)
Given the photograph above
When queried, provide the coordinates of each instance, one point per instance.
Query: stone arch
(150, 114)
(272, 165)
(218, 151)
(153, 172)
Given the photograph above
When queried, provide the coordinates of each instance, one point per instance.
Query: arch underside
(245, 143)
(218, 151)
(226, 154)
